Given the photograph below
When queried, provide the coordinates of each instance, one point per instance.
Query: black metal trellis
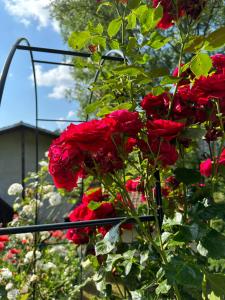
(36, 228)
(108, 56)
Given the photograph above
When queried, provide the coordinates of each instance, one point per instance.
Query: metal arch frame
(81, 224)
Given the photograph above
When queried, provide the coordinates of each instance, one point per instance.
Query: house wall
(11, 157)
(11, 168)
(10, 163)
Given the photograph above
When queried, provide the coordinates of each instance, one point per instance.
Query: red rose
(155, 106)
(90, 136)
(4, 238)
(173, 11)
(94, 194)
(206, 88)
(218, 61)
(165, 129)
(134, 185)
(164, 151)
(127, 122)
(2, 246)
(222, 158)
(206, 168)
(169, 13)
(78, 236)
(15, 251)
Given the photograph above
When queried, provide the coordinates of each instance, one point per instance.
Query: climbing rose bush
(153, 147)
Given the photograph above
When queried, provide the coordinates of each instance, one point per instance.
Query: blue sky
(30, 19)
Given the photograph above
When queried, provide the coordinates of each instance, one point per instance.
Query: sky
(31, 19)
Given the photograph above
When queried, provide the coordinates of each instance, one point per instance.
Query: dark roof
(22, 125)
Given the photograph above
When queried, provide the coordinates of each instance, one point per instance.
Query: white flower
(46, 154)
(44, 235)
(54, 199)
(48, 188)
(24, 236)
(15, 189)
(16, 206)
(49, 265)
(12, 294)
(9, 286)
(30, 255)
(59, 249)
(33, 278)
(5, 273)
(28, 209)
(43, 163)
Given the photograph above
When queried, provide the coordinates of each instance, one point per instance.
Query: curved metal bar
(69, 225)
(7, 66)
(118, 52)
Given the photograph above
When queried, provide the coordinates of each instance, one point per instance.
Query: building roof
(22, 125)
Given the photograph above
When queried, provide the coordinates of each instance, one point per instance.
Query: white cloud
(58, 78)
(27, 11)
(70, 114)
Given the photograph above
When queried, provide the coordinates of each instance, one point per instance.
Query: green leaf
(131, 19)
(133, 4)
(132, 43)
(169, 80)
(184, 273)
(193, 133)
(194, 44)
(99, 40)
(99, 29)
(215, 40)
(78, 40)
(103, 4)
(214, 243)
(187, 176)
(111, 260)
(114, 27)
(115, 44)
(217, 283)
(154, 16)
(92, 107)
(157, 41)
(212, 296)
(163, 288)
(129, 70)
(108, 243)
(191, 232)
(201, 64)
(92, 205)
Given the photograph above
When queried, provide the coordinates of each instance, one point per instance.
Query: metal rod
(59, 120)
(68, 225)
(159, 198)
(53, 63)
(7, 66)
(65, 52)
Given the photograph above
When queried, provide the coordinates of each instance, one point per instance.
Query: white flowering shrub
(44, 263)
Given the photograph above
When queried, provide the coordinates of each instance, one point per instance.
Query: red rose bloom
(206, 88)
(94, 194)
(134, 185)
(169, 13)
(165, 129)
(127, 122)
(90, 136)
(4, 238)
(155, 106)
(206, 168)
(168, 154)
(222, 158)
(2, 246)
(218, 61)
(173, 11)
